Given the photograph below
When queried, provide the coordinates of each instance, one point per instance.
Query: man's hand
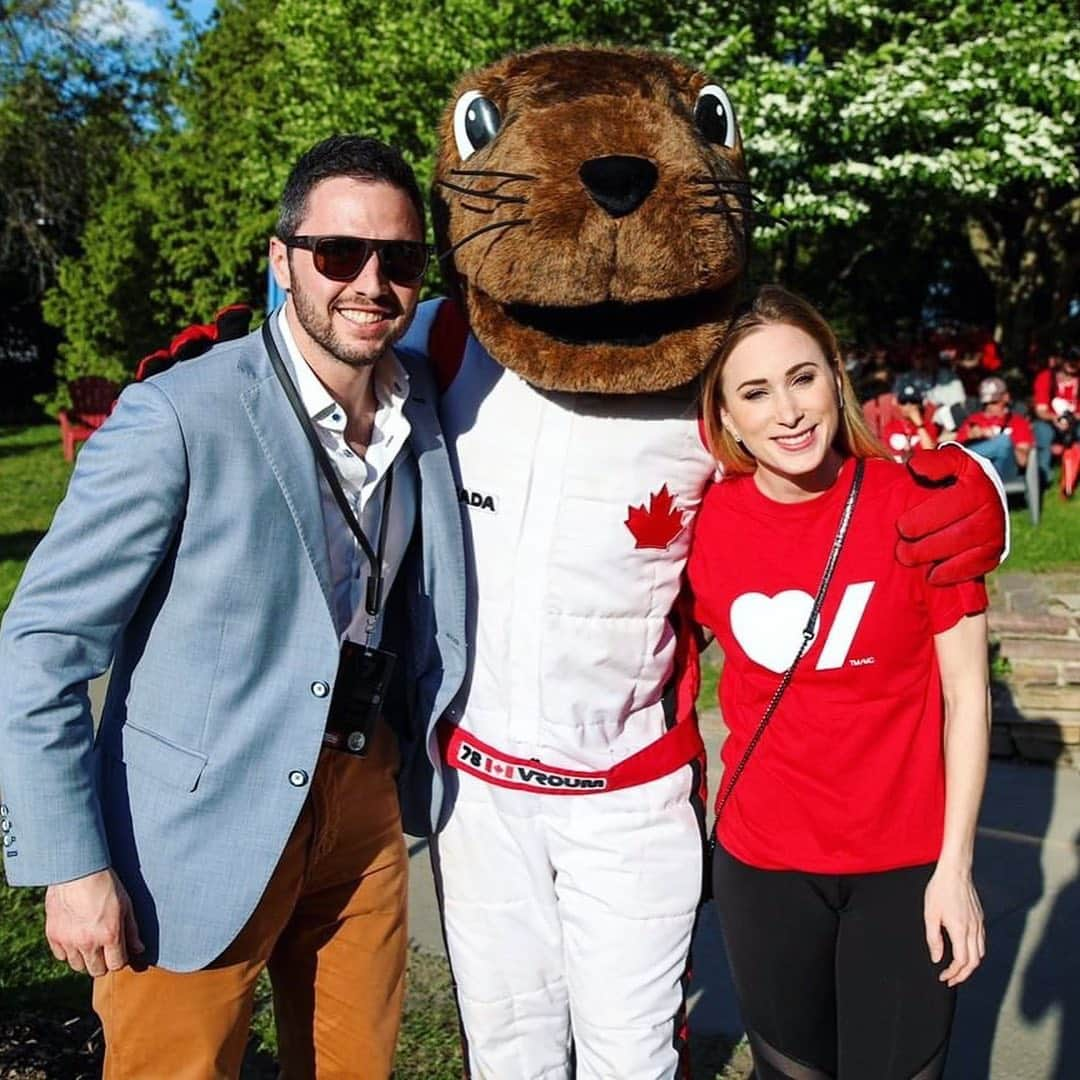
(90, 925)
(959, 526)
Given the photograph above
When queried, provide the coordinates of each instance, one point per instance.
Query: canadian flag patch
(657, 526)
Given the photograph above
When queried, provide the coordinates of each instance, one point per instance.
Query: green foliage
(910, 132)
(71, 95)
(101, 299)
(181, 230)
(184, 227)
(923, 155)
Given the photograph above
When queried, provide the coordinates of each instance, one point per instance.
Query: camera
(359, 693)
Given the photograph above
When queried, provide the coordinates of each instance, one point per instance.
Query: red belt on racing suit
(675, 748)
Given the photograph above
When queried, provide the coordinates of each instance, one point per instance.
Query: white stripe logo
(848, 616)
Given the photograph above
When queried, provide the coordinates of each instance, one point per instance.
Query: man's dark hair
(355, 156)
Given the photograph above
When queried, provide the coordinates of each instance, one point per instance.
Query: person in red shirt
(858, 737)
(997, 433)
(1055, 393)
(910, 427)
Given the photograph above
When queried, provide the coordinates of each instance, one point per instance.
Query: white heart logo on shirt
(769, 628)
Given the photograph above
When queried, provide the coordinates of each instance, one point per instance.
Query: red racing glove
(959, 526)
(229, 323)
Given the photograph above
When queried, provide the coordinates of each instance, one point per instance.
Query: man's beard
(318, 325)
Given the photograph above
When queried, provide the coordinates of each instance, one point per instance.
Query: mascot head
(593, 210)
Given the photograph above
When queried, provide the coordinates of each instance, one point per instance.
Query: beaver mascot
(593, 211)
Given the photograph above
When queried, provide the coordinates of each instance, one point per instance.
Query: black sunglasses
(341, 258)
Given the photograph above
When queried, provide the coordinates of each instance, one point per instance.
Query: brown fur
(560, 107)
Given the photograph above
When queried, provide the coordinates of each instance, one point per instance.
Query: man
(996, 433)
(224, 819)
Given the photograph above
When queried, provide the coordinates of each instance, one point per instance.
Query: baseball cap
(992, 389)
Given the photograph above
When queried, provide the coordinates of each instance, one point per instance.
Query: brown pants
(330, 929)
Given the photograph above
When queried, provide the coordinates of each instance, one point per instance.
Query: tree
(916, 129)
(922, 153)
(72, 96)
(182, 226)
(183, 229)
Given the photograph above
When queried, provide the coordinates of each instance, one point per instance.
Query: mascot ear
(960, 526)
(229, 323)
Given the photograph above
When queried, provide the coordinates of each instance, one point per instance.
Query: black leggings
(833, 973)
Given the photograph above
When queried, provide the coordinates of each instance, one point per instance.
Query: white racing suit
(569, 911)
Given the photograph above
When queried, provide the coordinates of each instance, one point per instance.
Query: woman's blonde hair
(772, 306)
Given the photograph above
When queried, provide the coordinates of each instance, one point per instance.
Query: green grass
(30, 979)
(33, 478)
(1053, 544)
(428, 1047)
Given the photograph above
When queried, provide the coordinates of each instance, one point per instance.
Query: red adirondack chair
(92, 399)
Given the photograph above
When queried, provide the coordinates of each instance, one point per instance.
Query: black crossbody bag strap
(807, 636)
(373, 599)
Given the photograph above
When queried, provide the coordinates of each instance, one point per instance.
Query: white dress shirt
(361, 479)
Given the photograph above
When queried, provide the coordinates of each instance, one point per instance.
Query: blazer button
(3, 810)
(298, 778)
(5, 825)
(320, 689)
(9, 839)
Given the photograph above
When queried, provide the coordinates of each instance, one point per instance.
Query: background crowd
(954, 386)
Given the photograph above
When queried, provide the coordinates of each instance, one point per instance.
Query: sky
(139, 19)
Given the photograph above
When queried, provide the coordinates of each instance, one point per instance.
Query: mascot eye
(714, 116)
(476, 123)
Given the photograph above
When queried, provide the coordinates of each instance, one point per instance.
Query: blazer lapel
(286, 448)
(440, 513)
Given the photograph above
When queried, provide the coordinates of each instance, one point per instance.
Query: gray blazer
(190, 555)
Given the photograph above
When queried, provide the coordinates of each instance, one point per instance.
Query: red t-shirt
(1055, 390)
(1016, 427)
(901, 436)
(849, 775)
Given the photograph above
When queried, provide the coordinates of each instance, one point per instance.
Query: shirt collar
(391, 383)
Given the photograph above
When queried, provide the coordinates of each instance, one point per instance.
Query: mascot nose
(618, 184)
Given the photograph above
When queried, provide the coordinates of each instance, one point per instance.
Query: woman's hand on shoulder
(951, 904)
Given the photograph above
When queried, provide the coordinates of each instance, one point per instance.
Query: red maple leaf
(657, 526)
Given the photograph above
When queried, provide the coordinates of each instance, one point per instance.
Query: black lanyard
(373, 597)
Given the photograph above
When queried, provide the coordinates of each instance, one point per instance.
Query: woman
(843, 860)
